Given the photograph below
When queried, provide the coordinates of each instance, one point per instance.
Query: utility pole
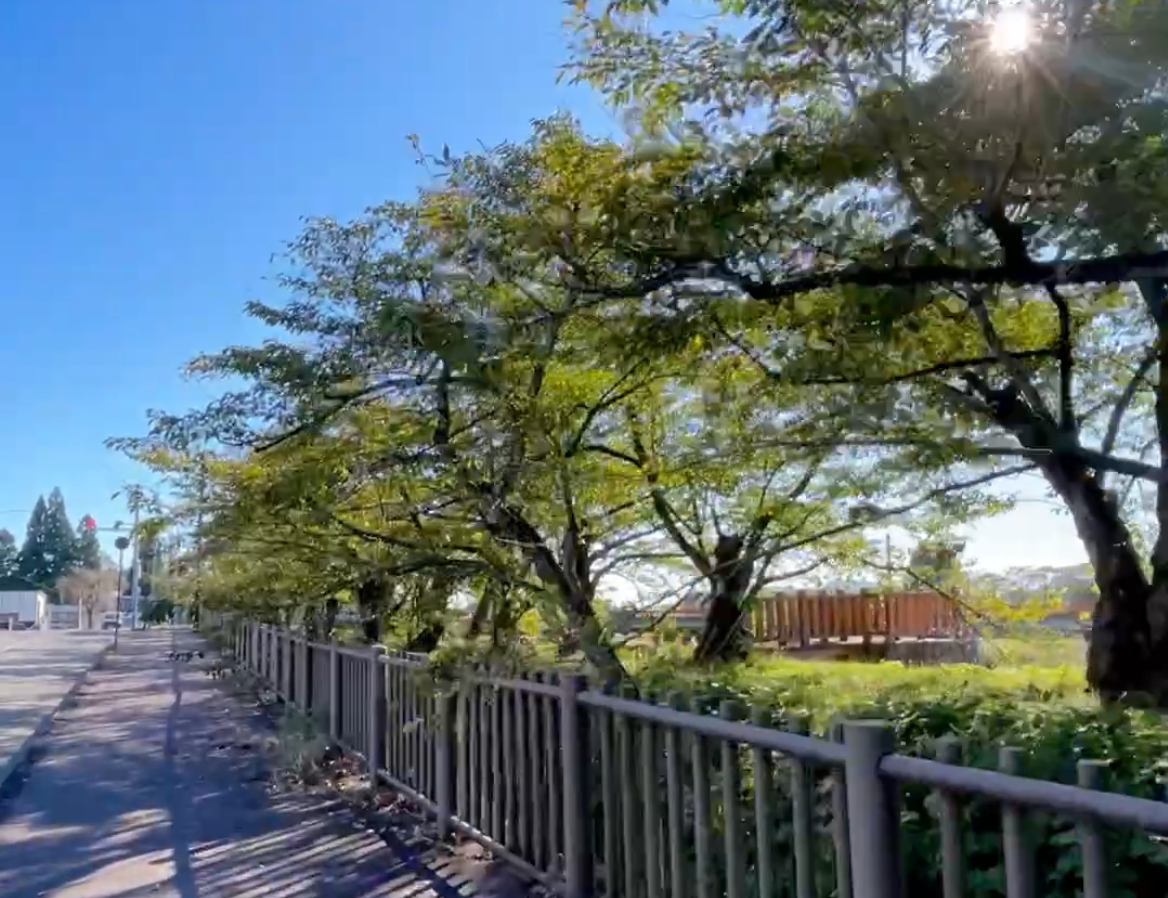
(135, 578)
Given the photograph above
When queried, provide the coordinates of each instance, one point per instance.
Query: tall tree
(961, 216)
(61, 537)
(36, 562)
(87, 548)
(50, 548)
(9, 554)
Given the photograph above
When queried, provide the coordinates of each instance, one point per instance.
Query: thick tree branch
(1109, 269)
(1129, 467)
(612, 396)
(1067, 422)
(928, 370)
(1017, 373)
(601, 449)
(896, 511)
(665, 511)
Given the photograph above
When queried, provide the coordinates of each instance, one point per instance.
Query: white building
(23, 606)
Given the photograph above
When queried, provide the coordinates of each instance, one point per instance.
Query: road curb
(16, 762)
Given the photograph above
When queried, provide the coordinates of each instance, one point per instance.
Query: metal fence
(595, 793)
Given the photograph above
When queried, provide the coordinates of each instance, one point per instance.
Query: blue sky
(155, 154)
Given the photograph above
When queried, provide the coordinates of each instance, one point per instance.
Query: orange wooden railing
(811, 616)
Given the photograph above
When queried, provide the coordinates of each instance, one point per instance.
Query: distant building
(23, 604)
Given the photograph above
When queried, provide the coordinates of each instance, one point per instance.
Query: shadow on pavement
(154, 784)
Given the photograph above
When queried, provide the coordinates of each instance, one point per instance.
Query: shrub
(1044, 711)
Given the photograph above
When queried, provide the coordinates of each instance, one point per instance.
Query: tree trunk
(427, 639)
(372, 601)
(1126, 655)
(491, 597)
(598, 651)
(569, 580)
(331, 608)
(312, 622)
(725, 636)
(1124, 661)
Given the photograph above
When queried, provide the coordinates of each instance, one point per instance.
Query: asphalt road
(36, 670)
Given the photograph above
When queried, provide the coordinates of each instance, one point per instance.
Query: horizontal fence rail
(598, 792)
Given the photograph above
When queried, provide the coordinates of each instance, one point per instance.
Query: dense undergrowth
(1045, 711)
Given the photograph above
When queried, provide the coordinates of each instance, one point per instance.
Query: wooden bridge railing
(805, 617)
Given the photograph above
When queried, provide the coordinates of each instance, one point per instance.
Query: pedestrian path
(153, 784)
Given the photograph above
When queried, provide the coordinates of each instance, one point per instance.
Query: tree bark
(372, 601)
(427, 639)
(332, 608)
(724, 636)
(312, 622)
(1126, 656)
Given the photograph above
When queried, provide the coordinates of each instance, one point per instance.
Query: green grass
(1038, 651)
(1021, 671)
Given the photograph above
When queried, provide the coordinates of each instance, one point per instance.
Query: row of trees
(858, 264)
(53, 548)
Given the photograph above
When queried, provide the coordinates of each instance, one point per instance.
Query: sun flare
(1011, 32)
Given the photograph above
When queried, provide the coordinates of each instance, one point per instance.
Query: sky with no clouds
(154, 156)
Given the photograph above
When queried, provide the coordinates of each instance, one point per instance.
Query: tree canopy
(860, 262)
(976, 244)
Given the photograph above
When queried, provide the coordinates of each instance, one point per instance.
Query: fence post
(286, 645)
(577, 792)
(1017, 854)
(303, 678)
(375, 712)
(873, 811)
(1092, 846)
(334, 693)
(446, 757)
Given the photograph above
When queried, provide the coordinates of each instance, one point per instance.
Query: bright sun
(1011, 31)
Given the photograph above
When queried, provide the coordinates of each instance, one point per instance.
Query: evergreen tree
(50, 545)
(88, 549)
(62, 536)
(32, 563)
(9, 555)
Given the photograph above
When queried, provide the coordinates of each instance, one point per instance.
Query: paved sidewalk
(37, 670)
(153, 785)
